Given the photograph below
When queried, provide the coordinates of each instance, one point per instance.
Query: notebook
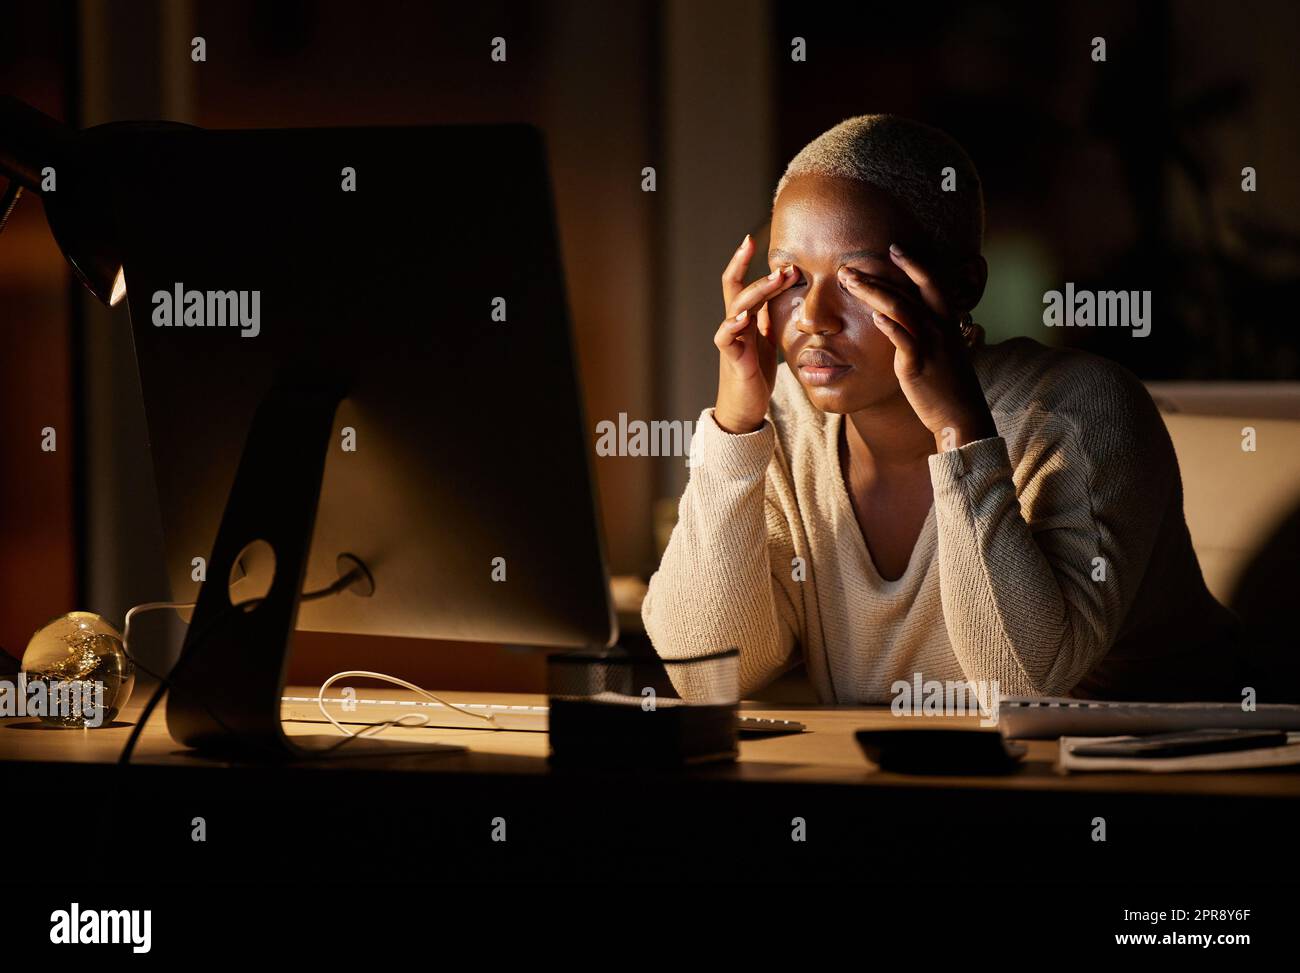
(1223, 760)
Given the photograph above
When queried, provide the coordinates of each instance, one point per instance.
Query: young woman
(897, 497)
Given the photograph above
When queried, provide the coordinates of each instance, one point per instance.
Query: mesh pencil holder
(609, 709)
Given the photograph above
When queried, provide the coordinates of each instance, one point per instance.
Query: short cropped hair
(907, 160)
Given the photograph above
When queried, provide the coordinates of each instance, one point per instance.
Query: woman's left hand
(931, 359)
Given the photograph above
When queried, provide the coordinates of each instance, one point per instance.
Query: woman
(899, 498)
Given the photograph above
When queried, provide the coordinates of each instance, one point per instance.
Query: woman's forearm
(714, 587)
(1036, 608)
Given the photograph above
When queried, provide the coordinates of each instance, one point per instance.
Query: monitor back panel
(459, 466)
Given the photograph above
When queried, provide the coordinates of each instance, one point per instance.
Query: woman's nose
(817, 310)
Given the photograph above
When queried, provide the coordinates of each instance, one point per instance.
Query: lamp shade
(77, 200)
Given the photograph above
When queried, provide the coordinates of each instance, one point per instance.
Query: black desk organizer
(605, 712)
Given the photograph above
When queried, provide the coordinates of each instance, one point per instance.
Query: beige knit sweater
(1055, 558)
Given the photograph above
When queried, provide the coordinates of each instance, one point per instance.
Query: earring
(971, 332)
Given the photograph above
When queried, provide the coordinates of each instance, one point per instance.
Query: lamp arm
(31, 140)
(8, 201)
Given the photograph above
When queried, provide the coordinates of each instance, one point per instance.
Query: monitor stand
(225, 689)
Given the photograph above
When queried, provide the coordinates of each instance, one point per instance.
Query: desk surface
(826, 754)
(1027, 852)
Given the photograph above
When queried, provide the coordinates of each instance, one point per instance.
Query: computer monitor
(356, 341)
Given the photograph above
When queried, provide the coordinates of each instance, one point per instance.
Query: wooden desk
(729, 817)
(826, 754)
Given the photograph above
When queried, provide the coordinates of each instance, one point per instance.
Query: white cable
(147, 606)
(374, 729)
(152, 605)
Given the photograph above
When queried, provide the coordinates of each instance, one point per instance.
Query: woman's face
(819, 224)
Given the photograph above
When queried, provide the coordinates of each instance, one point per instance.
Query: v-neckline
(845, 504)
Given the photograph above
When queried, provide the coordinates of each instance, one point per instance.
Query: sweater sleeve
(1038, 568)
(719, 585)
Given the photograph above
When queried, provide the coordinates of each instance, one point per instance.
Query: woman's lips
(823, 374)
(819, 367)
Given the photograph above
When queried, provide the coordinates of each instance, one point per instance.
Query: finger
(902, 339)
(763, 289)
(733, 276)
(767, 329)
(931, 292)
(731, 329)
(894, 306)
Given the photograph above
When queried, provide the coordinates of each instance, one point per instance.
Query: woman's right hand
(747, 343)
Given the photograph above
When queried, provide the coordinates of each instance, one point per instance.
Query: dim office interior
(350, 385)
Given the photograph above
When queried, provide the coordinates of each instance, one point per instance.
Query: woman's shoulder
(1022, 376)
(1079, 405)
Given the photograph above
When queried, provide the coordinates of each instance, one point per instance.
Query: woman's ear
(968, 282)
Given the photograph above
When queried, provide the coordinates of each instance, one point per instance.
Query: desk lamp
(43, 156)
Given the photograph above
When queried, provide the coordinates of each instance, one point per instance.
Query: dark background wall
(38, 510)
(1123, 174)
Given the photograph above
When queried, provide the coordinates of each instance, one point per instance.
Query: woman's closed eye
(885, 281)
(800, 279)
(803, 281)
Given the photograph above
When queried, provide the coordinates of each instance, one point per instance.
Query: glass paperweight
(76, 672)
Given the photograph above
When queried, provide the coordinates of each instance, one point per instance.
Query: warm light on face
(119, 287)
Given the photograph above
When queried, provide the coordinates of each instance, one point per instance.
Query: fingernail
(788, 272)
(878, 317)
(743, 242)
(774, 274)
(896, 251)
(742, 315)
